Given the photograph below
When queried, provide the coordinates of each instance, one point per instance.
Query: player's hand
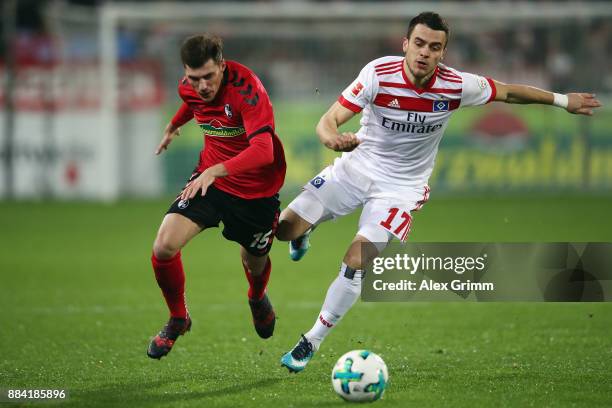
(345, 142)
(169, 133)
(582, 103)
(203, 181)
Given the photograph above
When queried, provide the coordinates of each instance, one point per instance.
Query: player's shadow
(236, 389)
(332, 401)
(143, 394)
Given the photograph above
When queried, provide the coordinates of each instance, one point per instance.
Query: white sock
(341, 295)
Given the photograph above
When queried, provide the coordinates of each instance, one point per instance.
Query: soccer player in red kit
(240, 171)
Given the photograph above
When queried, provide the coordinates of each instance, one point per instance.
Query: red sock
(171, 279)
(258, 284)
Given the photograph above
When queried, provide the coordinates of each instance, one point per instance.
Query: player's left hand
(203, 181)
(582, 103)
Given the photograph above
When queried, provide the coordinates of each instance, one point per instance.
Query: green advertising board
(498, 147)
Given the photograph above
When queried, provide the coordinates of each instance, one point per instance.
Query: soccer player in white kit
(406, 102)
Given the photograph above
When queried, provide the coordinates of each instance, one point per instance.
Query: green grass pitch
(79, 303)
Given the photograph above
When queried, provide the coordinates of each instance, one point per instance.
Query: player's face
(424, 49)
(206, 80)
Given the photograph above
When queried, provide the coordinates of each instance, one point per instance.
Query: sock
(258, 284)
(341, 295)
(171, 280)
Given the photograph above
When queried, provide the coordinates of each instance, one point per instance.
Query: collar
(410, 85)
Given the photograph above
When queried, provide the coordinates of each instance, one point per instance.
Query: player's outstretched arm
(183, 115)
(327, 129)
(170, 132)
(577, 103)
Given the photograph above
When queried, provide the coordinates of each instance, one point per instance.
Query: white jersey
(401, 126)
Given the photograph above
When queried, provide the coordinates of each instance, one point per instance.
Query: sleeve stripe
(493, 90)
(349, 105)
(265, 129)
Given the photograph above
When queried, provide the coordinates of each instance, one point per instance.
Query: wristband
(560, 100)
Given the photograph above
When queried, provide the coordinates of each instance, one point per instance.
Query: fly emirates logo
(415, 123)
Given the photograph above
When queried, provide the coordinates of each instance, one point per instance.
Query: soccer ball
(359, 376)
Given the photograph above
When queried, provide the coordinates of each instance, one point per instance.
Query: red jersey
(240, 113)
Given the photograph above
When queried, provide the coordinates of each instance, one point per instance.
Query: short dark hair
(198, 49)
(431, 20)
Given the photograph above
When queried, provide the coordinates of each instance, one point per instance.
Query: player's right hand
(169, 133)
(345, 142)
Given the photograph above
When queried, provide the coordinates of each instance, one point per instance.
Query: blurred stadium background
(87, 89)
(90, 86)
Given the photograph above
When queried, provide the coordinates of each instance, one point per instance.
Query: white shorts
(341, 188)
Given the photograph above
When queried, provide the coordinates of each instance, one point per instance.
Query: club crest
(228, 111)
(317, 182)
(441, 106)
